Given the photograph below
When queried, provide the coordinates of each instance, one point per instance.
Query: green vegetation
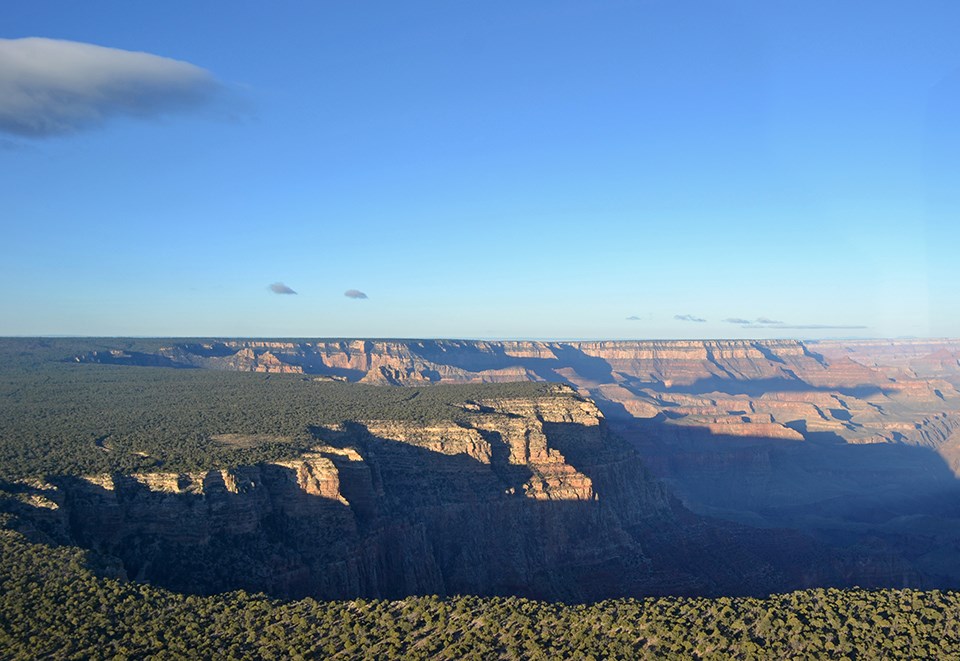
(68, 418)
(52, 604)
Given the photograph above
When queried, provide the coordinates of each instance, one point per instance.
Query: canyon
(866, 392)
(530, 497)
(852, 445)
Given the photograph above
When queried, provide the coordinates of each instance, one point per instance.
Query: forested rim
(52, 604)
(69, 418)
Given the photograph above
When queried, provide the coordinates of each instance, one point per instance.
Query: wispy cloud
(766, 322)
(759, 321)
(688, 317)
(634, 317)
(280, 288)
(820, 327)
(354, 293)
(52, 87)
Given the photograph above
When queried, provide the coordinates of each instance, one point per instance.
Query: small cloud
(823, 327)
(54, 87)
(280, 288)
(773, 324)
(688, 317)
(759, 321)
(354, 293)
(633, 318)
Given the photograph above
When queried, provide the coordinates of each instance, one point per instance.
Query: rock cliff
(526, 496)
(849, 440)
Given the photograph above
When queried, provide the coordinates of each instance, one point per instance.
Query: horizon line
(858, 338)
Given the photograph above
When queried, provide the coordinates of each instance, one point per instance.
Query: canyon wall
(529, 496)
(860, 392)
(856, 443)
(411, 362)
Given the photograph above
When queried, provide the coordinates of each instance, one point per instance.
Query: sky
(542, 169)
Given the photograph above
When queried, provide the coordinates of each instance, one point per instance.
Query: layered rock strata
(853, 440)
(527, 496)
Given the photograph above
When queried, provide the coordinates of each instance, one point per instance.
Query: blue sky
(495, 169)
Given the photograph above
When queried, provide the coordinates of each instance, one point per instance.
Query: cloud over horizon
(689, 317)
(52, 87)
(354, 293)
(280, 288)
(765, 322)
(759, 321)
(820, 327)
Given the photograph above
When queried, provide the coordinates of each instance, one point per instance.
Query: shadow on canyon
(473, 358)
(397, 520)
(137, 358)
(751, 387)
(890, 497)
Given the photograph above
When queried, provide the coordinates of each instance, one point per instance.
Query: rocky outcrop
(522, 496)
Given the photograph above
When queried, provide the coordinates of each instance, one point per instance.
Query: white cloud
(52, 87)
